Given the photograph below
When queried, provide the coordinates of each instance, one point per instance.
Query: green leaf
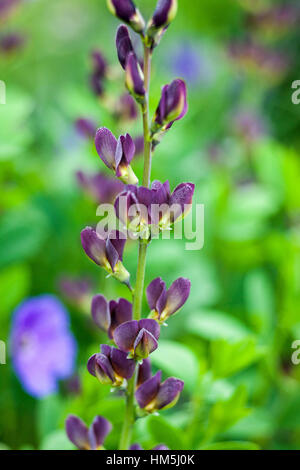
(231, 445)
(14, 286)
(229, 358)
(48, 415)
(163, 432)
(225, 413)
(57, 440)
(178, 360)
(212, 324)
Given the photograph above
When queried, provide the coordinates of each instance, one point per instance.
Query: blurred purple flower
(77, 291)
(99, 72)
(100, 187)
(42, 346)
(11, 42)
(248, 125)
(276, 20)
(6, 7)
(187, 62)
(86, 128)
(85, 438)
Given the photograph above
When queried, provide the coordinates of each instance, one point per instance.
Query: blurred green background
(239, 143)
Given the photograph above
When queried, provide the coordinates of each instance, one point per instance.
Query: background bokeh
(239, 143)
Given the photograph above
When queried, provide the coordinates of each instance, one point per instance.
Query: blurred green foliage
(231, 343)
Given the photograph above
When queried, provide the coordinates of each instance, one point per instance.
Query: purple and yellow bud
(162, 302)
(85, 438)
(153, 395)
(134, 78)
(107, 253)
(172, 106)
(164, 14)
(127, 11)
(116, 154)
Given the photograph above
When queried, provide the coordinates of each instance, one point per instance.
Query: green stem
(129, 417)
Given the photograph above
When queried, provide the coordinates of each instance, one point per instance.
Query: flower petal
(124, 44)
(144, 344)
(103, 369)
(147, 392)
(134, 77)
(98, 431)
(94, 246)
(177, 295)
(106, 145)
(154, 292)
(100, 312)
(168, 393)
(120, 312)
(126, 334)
(144, 372)
(77, 432)
(122, 366)
(150, 325)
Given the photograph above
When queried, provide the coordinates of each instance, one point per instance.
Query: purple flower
(248, 125)
(7, 6)
(106, 252)
(139, 145)
(164, 13)
(100, 187)
(123, 45)
(11, 42)
(162, 302)
(111, 366)
(139, 338)
(187, 61)
(276, 20)
(86, 128)
(153, 395)
(127, 11)
(158, 447)
(116, 154)
(138, 207)
(134, 78)
(109, 315)
(144, 372)
(172, 106)
(99, 72)
(77, 291)
(42, 346)
(126, 109)
(85, 438)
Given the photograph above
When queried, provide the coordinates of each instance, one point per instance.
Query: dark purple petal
(91, 364)
(176, 105)
(135, 447)
(126, 334)
(98, 431)
(181, 200)
(144, 372)
(144, 344)
(124, 153)
(86, 128)
(150, 325)
(177, 295)
(124, 44)
(126, 11)
(106, 350)
(100, 312)
(156, 290)
(94, 246)
(122, 366)
(120, 312)
(164, 13)
(168, 393)
(147, 392)
(134, 77)
(77, 432)
(139, 145)
(123, 202)
(118, 241)
(106, 145)
(99, 64)
(103, 369)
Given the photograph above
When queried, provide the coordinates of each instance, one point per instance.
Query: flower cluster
(125, 363)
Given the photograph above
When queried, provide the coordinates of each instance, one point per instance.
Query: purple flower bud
(77, 291)
(138, 207)
(111, 366)
(107, 253)
(172, 106)
(127, 11)
(139, 145)
(100, 187)
(11, 42)
(96, 84)
(134, 78)
(85, 438)
(136, 447)
(139, 338)
(123, 44)
(116, 154)
(153, 395)
(86, 128)
(144, 372)
(164, 13)
(164, 303)
(109, 315)
(99, 64)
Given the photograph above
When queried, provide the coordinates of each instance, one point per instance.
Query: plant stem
(129, 417)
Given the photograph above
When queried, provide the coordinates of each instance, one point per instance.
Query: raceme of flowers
(124, 363)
